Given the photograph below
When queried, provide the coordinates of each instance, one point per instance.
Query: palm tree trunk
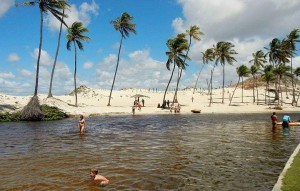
(266, 93)
(175, 100)
(56, 55)
(256, 90)
(242, 90)
(280, 91)
(112, 86)
(197, 79)
(39, 55)
(253, 84)
(294, 97)
(234, 91)
(75, 71)
(223, 91)
(179, 77)
(169, 83)
(211, 76)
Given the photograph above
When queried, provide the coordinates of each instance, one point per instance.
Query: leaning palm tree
(32, 110)
(242, 71)
(124, 25)
(56, 54)
(177, 46)
(224, 54)
(292, 39)
(193, 33)
(254, 71)
(281, 70)
(274, 50)
(75, 36)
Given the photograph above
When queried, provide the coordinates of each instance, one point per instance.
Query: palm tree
(274, 51)
(32, 110)
(176, 55)
(292, 39)
(75, 36)
(224, 53)
(125, 26)
(207, 56)
(242, 71)
(193, 33)
(268, 76)
(56, 54)
(254, 71)
(281, 70)
(258, 59)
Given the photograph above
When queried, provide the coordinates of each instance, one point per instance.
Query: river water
(162, 152)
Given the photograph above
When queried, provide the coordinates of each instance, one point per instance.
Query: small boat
(196, 111)
(290, 124)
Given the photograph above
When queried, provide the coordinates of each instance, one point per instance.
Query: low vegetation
(291, 180)
(49, 114)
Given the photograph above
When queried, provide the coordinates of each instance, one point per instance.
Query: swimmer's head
(81, 116)
(93, 172)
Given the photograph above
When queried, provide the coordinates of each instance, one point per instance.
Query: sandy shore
(94, 102)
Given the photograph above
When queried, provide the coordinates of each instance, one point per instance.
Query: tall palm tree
(193, 33)
(56, 54)
(242, 71)
(32, 110)
(125, 26)
(177, 46)
(224, 54)
(292, 39)
(281, 70)
(75, 36)
(254, 71)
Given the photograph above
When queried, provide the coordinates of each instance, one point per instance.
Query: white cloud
(249, 25)
(13, 57)
(25, 73)
(45, 58)
(7, 75)
(88, 65)
(5, 6)
(83, 15)
(140, 71)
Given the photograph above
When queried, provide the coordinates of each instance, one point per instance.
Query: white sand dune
(94, 102)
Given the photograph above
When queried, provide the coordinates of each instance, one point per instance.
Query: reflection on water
(170, 152)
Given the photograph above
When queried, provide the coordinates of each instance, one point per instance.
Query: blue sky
(249, 25)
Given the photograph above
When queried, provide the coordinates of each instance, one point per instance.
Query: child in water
(97, 177)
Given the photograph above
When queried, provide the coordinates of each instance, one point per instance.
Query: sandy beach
(94, 102)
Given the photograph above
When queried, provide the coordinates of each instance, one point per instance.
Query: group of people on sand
(286, 119)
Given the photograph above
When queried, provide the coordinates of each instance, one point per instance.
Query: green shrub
(49, 114)
(10, 117)
(52, 113)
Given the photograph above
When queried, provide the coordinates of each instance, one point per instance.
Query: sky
(249, 24)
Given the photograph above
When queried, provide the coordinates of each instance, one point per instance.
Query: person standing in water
(274, 119)
(81, 124)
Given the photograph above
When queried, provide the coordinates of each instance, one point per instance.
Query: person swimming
(99, 178)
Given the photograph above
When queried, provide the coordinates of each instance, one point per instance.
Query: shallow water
(165, 152)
